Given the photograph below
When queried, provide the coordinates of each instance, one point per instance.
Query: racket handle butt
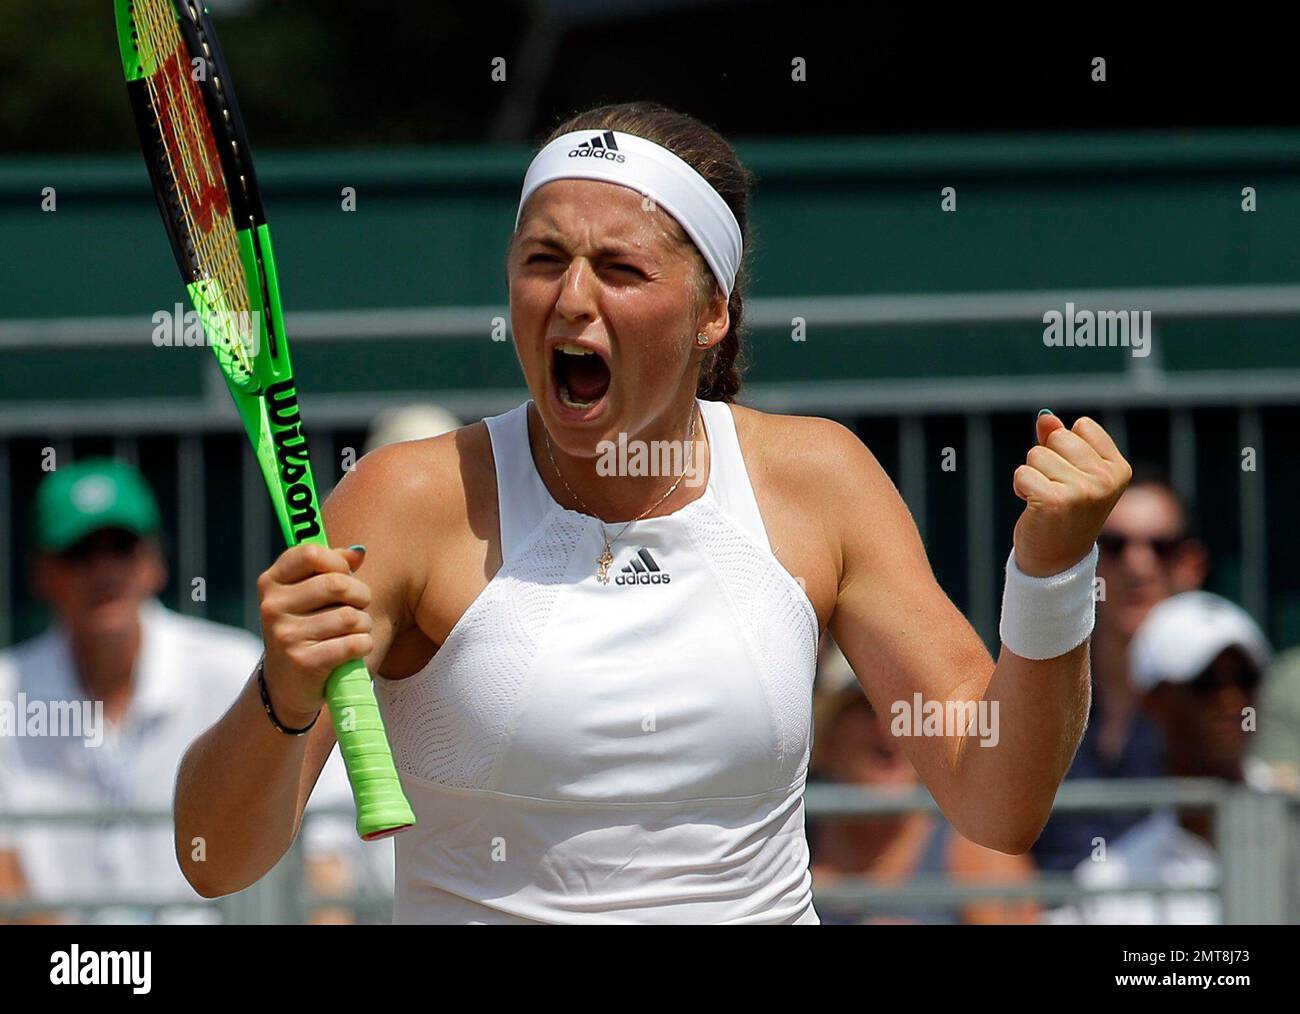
(382, 808)
(385, 832)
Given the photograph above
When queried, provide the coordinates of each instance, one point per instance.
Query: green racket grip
(382, 809)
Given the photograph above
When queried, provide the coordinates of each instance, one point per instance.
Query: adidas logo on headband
(601, 146)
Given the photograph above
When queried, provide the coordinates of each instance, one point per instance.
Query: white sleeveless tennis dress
(636, 751)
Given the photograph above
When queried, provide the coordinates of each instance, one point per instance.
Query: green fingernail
(359, 549)
(1045, 411)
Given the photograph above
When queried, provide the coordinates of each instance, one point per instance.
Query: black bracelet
(266, 703)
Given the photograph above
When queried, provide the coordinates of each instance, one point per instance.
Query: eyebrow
(551, 241)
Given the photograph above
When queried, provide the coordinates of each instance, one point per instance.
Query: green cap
(90, 495)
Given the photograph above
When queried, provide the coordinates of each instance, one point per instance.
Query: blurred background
(924, 327)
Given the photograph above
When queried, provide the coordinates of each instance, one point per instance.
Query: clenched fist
(313, 620)
(1069, 482)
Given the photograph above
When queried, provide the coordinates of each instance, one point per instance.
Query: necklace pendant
(603, 563)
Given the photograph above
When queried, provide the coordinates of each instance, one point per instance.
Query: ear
(156, 567)
(1191, 566)
(715, 318)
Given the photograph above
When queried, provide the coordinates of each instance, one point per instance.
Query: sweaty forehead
(597, 211)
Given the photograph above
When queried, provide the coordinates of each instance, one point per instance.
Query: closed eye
(549, 258)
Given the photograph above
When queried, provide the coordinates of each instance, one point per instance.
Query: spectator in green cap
(90, 496)
(98, 562)
(143, 680)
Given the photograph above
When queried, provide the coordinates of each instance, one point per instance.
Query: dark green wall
(861, 217)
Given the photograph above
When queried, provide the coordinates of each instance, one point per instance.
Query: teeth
(569, 349)
(571, 401)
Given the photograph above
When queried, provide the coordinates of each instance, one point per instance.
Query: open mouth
(581, 376)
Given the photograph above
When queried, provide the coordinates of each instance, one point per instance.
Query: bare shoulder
(825, 499)
(422, 509)
(815, 459)
(418, 479)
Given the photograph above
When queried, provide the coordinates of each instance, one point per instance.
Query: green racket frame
(265, 395)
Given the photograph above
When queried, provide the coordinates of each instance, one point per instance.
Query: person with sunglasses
(1147, 552)
(1197, 662)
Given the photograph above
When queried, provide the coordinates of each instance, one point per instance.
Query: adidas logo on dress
(642, 570)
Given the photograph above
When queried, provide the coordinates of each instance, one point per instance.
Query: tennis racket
(202, 173)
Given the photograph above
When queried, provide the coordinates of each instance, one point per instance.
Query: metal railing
(282, 896)
(1257, 838)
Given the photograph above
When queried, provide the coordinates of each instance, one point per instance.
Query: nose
(1139, 557)
(107, 568)
(577, 301)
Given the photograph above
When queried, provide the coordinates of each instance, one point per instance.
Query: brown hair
(705, 151)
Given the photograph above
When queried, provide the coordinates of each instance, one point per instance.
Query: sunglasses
(1113, 544)
(116, 544)
(1246, 680)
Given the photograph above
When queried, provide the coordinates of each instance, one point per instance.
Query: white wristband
(1046, 617)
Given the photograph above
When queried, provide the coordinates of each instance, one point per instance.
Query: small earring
(701, 339)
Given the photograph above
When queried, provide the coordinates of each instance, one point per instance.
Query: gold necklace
(606, 558)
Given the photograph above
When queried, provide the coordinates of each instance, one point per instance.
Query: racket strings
(198, 190)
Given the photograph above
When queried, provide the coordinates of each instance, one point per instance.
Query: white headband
(652, 170)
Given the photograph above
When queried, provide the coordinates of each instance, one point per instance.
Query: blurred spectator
(1147, 553)
(851, 744)
(409, 422)
(102, 705)
(1198, 659)
(1277, 747)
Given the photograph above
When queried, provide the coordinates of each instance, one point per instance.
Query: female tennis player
(597, 686)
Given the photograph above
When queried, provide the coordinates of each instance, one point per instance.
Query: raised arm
(242, 785)
(903, 636)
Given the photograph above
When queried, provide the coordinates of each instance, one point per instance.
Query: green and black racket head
(195, 148)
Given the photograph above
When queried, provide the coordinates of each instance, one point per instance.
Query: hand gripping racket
(202, 174)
